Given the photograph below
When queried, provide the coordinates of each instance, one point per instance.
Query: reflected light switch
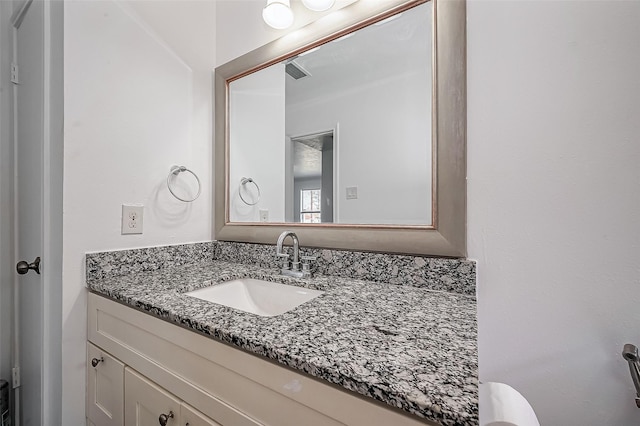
(352, 192)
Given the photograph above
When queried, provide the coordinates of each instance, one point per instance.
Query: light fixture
(277, 14)
(318, 5)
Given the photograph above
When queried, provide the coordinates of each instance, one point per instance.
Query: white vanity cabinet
(209, 382)
(118, 395)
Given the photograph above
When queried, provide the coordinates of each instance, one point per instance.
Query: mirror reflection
(340, 133)
(311, 200)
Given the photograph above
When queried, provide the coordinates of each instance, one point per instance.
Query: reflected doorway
(312, 159)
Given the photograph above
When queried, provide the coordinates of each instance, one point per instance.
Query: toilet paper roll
(502, 405)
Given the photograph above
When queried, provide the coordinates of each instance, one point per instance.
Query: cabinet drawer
(105, 388)
(145, 402)
(192, 417)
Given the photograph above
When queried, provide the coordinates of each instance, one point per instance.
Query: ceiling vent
(296, 71)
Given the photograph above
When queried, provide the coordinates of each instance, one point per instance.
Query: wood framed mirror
(397, 182)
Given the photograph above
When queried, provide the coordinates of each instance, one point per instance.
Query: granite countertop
(409, 347)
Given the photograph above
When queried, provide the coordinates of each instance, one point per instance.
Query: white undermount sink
(264, 298)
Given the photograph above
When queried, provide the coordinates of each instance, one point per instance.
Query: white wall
(257, 145)
(380, 127)
(137, 100)
(553, 199)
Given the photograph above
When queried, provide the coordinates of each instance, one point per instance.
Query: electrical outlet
(352, 192)
(264, 215)
(132, 219)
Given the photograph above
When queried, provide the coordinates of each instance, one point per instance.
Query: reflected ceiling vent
(296, 71)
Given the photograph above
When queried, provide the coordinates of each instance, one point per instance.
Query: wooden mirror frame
(447, 235)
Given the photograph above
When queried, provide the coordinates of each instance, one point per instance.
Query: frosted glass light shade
(277, 14)
(318, 5)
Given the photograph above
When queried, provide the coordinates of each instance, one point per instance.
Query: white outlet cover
(264, 215)
(132, 216)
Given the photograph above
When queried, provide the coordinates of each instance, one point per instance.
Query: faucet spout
(296, 248)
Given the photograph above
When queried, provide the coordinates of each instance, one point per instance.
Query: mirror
(350, 131)
(368, 94)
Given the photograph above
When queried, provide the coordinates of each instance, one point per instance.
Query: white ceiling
(187, 27)
(307, 161)
(372, 54)
(307, 155)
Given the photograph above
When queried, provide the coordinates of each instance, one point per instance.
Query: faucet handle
(285, 264)
(306, 263)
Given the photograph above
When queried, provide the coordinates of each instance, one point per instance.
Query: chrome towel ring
(175, 171)
(243, 182)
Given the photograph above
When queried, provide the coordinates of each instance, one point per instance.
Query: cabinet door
(192, 417)
(145, 403)
(105, 388)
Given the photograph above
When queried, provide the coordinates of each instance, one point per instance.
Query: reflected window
(310, 206)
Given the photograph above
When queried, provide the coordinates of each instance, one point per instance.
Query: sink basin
(264, 298)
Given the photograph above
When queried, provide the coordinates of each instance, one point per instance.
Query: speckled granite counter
(409, 347)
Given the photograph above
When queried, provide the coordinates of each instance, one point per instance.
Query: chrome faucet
(292, 268)
(295, 264)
